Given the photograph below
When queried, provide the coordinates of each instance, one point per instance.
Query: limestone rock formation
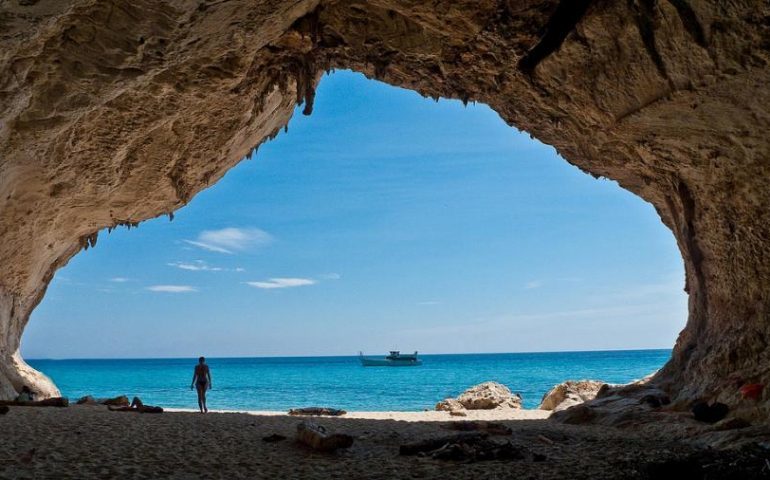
(117, 111)
(485, 396)
(488, 396)
(570, 393)
(620, 406)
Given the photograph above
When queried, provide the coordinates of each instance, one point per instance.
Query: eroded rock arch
(113, 112)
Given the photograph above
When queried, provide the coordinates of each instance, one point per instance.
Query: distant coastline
(194, 356)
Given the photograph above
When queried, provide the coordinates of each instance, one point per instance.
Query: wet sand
(91, 442)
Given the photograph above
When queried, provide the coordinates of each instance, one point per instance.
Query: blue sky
(384, 220)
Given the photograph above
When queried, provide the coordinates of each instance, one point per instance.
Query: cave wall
(113, 112)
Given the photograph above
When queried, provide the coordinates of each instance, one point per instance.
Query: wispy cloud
(533, 284)
(330, 276)
(201, 266)
(119, 279)
(231, 240)
(273, 283)
(428, 302)
(172, 288)
(197, 266)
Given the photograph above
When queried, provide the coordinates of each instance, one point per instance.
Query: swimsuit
(202, 380)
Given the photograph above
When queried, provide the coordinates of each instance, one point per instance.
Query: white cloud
(196, 266)
(119, 279)
(172, 288)
(230, 240)
(330, 276)
(210, 248)
(533, 284)
(201, 266)
(282, 283)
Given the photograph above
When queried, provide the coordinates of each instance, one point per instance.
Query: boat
(394, 359)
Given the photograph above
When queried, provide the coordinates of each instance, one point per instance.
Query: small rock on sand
(317, 438)
(449, 405)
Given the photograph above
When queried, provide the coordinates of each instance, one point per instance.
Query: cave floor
(91, 442)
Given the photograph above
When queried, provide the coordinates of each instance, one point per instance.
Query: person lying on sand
(201, 381)
(136, 406)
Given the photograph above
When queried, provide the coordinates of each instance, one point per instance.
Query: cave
(115, 112)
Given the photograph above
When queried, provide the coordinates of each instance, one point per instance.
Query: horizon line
(345, 356)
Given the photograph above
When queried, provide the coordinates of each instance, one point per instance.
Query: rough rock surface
(485, 396)
(449, 405)
(629, 405)
(570, 393)
(116, 111)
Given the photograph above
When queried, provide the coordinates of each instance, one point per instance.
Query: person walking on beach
(201, 381)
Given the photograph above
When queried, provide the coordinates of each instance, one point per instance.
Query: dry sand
(92, 442)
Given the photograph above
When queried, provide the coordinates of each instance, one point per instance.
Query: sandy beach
(91, 442)
(425, 416)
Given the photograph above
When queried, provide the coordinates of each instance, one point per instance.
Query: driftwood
(317, 438)
(48, 402)
(468, 447)
(430, 444)
(491, 428)
(329, 412)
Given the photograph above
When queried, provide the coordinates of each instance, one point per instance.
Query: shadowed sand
(91, 442)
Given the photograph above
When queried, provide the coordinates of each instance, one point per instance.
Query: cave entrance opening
(384, 220)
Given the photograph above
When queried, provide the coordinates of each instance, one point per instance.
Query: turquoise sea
(341, 382)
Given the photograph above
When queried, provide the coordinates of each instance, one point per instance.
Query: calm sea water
(341, 382)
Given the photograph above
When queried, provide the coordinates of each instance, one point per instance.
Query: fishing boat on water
(394, 359)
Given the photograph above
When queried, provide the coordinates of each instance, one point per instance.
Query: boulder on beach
(569, 394)
(489, 396)
(485, 396)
